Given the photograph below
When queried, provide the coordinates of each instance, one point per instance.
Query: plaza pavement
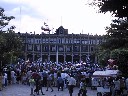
(24, 90)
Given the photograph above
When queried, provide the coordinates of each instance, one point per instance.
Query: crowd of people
(38, 75)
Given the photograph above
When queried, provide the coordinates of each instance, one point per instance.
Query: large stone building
(60, 46)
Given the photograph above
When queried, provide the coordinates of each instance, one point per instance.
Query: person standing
(55, 79)
(82, 90)
(41, 83)
(49, 82)
(71, 84)
(12, 76)
(5, 75)
(37, 78)
(40, 87)
(126, 83)
(44, 75)
(122, 84)
(60, 83)
(32, 84)
(117, 86)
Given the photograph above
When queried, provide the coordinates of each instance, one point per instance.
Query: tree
(117, 33)
(119, 8)
(10, 42)
(4, 20)
(103, 57)
(121, 55)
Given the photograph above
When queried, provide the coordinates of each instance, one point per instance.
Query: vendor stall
(98, 79)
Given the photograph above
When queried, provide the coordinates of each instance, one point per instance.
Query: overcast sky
(73, 15)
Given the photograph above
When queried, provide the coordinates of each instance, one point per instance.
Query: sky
(74, 15)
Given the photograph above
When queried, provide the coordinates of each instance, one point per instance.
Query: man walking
(60, 83)
(71, 84)
(32, 84)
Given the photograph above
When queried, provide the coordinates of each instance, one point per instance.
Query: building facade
(60, 46)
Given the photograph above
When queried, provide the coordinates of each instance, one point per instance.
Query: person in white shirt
(5, 75)
(3, 81)
(12, 76)
(71, 84)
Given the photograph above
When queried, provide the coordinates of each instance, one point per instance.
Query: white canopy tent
(106, 73)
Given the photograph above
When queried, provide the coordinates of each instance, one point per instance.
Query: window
(37, 47)
(84, 48)
(46, 48)
(63, 40)
(76, 48)
(92, 48)
(29, 47)
(60, 48)
(46, 40)
(53, 48)
(69, 49)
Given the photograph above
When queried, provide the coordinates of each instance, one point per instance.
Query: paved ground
(24, 90)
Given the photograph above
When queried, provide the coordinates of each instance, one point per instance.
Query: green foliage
(10, 42)
(103, 57)
(117, 35)
(116, 43)
(121, 55)
(119, 8)
(4, 20)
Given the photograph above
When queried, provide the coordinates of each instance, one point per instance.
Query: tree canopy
(116, 45)
(119, 8)
(10, 42)
(117, 35)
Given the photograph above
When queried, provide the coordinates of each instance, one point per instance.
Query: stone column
(72, 58)
(56, 54)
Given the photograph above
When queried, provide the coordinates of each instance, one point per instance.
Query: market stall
(98, 79)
